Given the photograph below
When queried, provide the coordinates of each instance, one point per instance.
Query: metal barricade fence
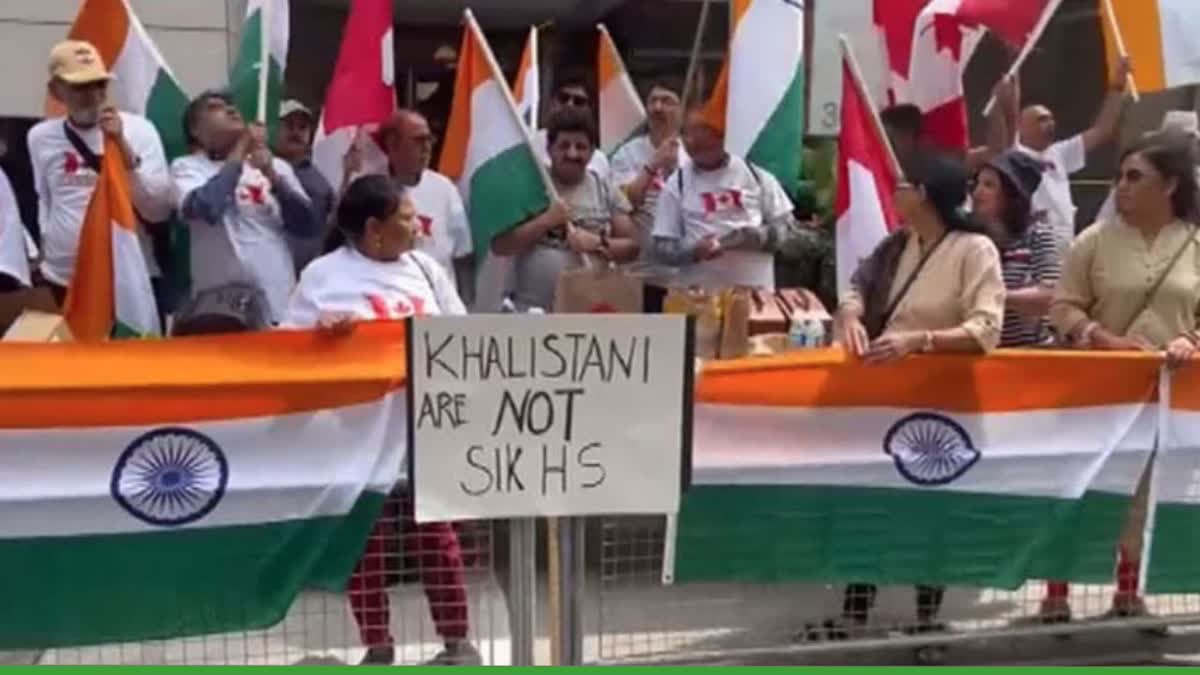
(639, 619)
(408, 576)
(612, 607)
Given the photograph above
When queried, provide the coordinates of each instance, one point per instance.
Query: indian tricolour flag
(622, 114)
(759, 96)
(1159, 36)
(110, 293)
(945, 469)
(526, 85)
(144, 83)
(487, 147)
(1174, 516)
(264, 34)
(159, 489)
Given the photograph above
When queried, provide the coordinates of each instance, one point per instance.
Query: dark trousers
(859, 599)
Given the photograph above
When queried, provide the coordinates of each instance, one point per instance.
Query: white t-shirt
(1052, 203)
(65, 184)
(628, 163)
(347, 282)
(445, 232)
(717, 203)
(14, 252)
(249, 246)
(598, 164)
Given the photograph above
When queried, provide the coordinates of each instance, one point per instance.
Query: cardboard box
(35, 326)
(15, 303)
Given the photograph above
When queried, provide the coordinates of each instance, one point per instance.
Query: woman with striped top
(1029, 260)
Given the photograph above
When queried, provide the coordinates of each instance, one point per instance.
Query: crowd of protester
(987, 257)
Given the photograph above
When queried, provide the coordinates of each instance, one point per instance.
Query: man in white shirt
(640, 169)
(14, 242)
(1053, 203)
(239, 202)
(570, 93)
(719, 217)
(65, 156)
(445, 232)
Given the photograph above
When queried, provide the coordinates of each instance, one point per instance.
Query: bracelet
(927, 345)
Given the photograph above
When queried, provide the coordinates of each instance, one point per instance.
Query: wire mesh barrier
(420, 593)
(638, 618)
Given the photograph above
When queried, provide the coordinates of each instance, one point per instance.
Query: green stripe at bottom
(68, 591)
(766, 533)
(506, 191)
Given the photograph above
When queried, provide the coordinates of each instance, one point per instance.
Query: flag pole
(1110, 15)
(535, 62)
(694, 60)
(498, 76)
(264, 59)
(861, 86)
(1038, 29)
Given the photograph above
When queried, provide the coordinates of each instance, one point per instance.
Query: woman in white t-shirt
(373, 272)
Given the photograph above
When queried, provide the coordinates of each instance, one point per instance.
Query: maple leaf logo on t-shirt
(255, 194)
(71, 163)
(426, 225)
(722, 200)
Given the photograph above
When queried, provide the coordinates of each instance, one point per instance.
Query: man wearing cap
(240, 203)
(1053, 203)
(444, 231)
(720, 218)
(65, 156)
(294, 145)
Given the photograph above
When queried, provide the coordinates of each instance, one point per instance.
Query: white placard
(831, 18)
(556, 415)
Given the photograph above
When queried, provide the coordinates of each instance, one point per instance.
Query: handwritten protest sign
(517, 415)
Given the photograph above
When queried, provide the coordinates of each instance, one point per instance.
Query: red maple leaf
(70, 163)
(256, 194)
(426, 224)
(602, 308)
(947, 35)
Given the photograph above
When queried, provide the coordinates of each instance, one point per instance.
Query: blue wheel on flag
(930, 449)
(170, 477)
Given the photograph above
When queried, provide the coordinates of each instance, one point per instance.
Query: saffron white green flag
(622, 114)
(937, 470)
(487, 148)
(144, 82)
(179, 488)
(264, 32)
(759, 95)
(1172, 565)
(527, 84)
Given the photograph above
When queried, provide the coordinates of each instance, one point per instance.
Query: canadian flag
(866, 180)
(945, 35)
(894, 20)
(721, 201)
(361, 94)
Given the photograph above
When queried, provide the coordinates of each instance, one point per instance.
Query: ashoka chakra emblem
(930, 449)
(170, 477)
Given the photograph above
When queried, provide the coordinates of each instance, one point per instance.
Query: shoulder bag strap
(1149, 297)
(428, 280)
(90, 158)
(891, 308)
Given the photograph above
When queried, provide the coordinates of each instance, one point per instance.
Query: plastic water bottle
(798, 334)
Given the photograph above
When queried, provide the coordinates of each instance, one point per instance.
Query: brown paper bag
(597, 289)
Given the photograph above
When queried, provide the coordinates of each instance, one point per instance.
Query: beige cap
(77, 62)
(292, 106)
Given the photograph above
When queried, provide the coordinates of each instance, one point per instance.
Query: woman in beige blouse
(933, 286)
(1133, 283)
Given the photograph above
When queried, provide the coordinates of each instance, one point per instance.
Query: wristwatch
(927, 344)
